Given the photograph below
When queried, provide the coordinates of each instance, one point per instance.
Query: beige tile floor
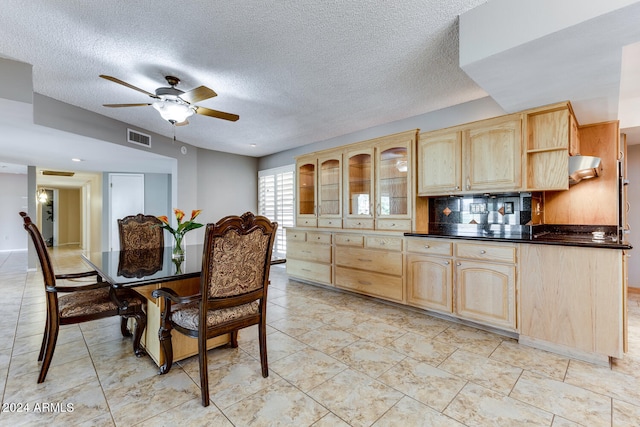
(335, 360)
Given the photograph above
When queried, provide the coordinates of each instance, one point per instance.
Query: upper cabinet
(358, 190)
(440, 162)
(319, 190)
(378, 183)
(552, 136)
(492, 154)
(368, 185)
(482, 156)
(306, 168)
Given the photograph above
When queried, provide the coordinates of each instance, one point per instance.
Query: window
(275, 201)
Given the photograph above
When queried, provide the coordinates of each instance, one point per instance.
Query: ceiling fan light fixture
(173, 111)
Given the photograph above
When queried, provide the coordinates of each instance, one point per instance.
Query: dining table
(145, 270)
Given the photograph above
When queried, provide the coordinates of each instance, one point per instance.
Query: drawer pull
(483, 251)
(306, 269)
(364, 260)
(318, 238)
(364, 282)
(427, 246)
(305, 252)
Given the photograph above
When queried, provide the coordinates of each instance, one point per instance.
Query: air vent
(58, 173)
(136, 137)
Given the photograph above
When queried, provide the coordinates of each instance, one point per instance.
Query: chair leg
(123, 326)
(45, 337)
(52, 337)
(164, 335)
(204, 370)
(141, 324)
(234, 339)
(262, 339)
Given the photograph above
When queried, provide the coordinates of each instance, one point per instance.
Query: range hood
(583, 167)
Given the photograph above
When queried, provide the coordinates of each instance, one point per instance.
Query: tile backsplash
(500, 209)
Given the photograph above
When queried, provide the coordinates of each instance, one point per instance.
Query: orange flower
(195, 213)
(179, 214)
(164, 219)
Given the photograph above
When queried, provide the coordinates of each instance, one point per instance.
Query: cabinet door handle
(458, 264)
(364, 282)
(364, 260)
(446, 263)
(483, 252)
(426, 246)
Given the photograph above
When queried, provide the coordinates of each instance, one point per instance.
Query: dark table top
(140, 267)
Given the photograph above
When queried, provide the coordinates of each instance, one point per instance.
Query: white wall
(13, 200)
(227, 185)
(633, 195)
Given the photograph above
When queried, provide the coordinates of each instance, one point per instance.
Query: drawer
(393, 224)
(364, 223)
(330, 222)
(296, 236)
(371, 260)
(349, 240)
(486, 252)
(306, 222)
(308, 252)
(309, 270)
(383, 242)
(316, 237)
(375, 284)
(429, 246)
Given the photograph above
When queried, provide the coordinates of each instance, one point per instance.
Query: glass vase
(178, 250)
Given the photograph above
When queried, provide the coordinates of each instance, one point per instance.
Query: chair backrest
(237, 255)
(140, 232)
(41, 250)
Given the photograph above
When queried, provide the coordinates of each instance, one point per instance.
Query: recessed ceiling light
(252, 145)
(75, 159)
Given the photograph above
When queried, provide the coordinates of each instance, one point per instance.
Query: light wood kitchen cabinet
(429, 271)
(330, 190)
(440, 160)
(307, 179)
(552, 136)
(358, 191)
(486, 290)
(484, 156)
(572, 300)
(370, 265)
(492, 154)
(309, 255)
(319, 190)
(394, 191)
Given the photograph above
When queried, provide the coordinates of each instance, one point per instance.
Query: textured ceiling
(296, 72)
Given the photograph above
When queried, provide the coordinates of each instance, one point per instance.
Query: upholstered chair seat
(187, 315)
(93, 302)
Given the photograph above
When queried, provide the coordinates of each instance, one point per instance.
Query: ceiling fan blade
(198, 94)
(217, 114)
(124, 105)
(113, 79)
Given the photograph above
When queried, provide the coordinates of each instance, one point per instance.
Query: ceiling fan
(173, 104)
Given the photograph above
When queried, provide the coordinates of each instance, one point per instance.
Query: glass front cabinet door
(393, 188)
(330, 191)
(306, 192)
(358, 192)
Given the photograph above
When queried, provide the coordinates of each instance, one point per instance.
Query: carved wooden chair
(80, 303)
(233, 290)
(140, 232)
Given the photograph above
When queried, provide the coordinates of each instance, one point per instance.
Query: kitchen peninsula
(477, 223)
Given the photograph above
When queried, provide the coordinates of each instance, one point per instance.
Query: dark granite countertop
(563, 235)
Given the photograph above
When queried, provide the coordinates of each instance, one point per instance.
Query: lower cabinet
(461, 279)
(309, 255)
(430, 282)
(485, 293)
